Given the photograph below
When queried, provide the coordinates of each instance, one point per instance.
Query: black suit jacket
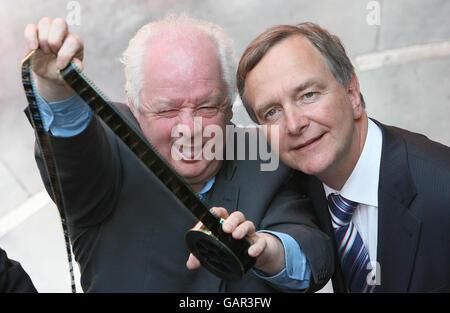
(413, 214)
(13, 277)
(128, 231)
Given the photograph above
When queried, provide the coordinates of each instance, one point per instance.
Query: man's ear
(229, 112)
(132, 108)
(355, 96)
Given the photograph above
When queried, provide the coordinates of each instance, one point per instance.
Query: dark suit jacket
(413, 214)
(128, 231)
(13, 278)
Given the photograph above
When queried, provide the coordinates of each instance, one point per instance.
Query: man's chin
(190, 169)
(307, 166)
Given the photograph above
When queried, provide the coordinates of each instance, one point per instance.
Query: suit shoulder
(429, 166)
(424, 150)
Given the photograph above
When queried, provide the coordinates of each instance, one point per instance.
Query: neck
(197, 183)
(338, 174)
(197, 187)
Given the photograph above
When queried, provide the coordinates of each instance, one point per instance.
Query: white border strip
(24, 211)
(376, 60)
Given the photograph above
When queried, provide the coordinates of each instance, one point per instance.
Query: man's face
(292, 87)
(184, 91)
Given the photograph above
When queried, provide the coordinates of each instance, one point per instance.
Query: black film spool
(222, 255)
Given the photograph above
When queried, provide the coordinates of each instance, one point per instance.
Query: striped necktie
(352, 252)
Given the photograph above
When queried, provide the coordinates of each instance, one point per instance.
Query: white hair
(133, 56)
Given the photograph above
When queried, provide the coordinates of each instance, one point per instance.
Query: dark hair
(328, 45)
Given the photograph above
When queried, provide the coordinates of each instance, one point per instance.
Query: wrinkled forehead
(184, 53)
(183, 68)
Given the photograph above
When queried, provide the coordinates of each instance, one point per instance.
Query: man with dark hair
(380, 191)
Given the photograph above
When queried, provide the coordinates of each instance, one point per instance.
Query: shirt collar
(362, 185)
(207, 187)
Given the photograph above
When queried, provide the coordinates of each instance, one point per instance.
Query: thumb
(77, 62)
(219, 212)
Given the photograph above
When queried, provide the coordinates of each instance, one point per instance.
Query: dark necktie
(353, 255)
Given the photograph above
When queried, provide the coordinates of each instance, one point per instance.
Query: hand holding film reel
(267, 249)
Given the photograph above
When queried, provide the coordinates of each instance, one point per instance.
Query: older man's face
(292, 87)
(184, 91)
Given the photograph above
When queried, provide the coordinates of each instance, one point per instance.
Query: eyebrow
(168, 103)
(161, 103)
(298, 89)
(214, 98)
(309, 84)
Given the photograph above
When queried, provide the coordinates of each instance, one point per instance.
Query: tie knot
(341, 209)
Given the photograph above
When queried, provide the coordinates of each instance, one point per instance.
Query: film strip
(43, 141)
(217, 251)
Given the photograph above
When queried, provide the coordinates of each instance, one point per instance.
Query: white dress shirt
(362, 187)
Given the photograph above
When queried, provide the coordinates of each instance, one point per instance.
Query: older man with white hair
(126, 228)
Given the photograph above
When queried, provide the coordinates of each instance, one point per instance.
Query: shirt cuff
(297, 273)
(65, 118)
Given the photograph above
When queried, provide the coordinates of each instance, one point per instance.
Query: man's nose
(187, 119)
(296, 120)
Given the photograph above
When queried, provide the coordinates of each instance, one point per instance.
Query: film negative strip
(43, 141)
(217, 251)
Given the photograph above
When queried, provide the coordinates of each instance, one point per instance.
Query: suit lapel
(398, 228)
(225, 192)
(317, 194)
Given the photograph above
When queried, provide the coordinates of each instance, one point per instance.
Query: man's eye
(168, 113)
(271, 115)
(309, 96)
(207, 111)
(271, 112)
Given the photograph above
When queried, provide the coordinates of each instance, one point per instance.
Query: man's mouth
(308, 143)
(189, 153)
